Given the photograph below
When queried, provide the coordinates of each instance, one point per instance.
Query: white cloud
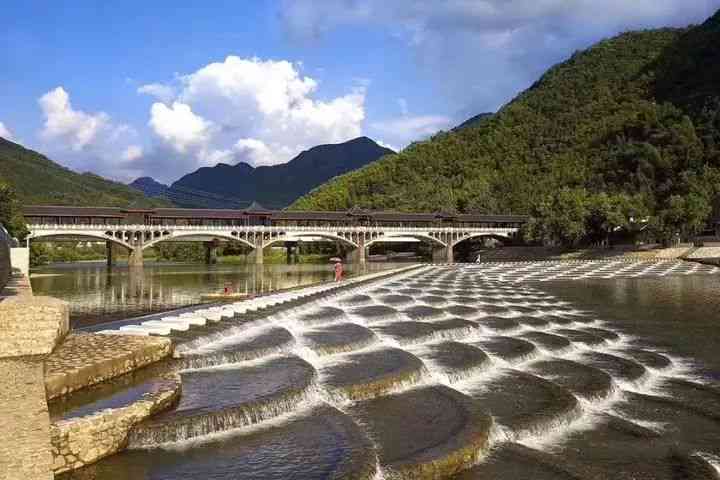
(164, 93)
(179, 127)
(87, 141)
(482, 52)
(132, 153)
(5, 133)
(388, 145)
(247, 109)
(63, 123)
(209, 157)
(408, 129)
(254, 151)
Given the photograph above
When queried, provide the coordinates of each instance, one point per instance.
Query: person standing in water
(338, 271)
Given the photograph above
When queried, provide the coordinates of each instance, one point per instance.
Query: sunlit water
(444, 372)
(98, 294)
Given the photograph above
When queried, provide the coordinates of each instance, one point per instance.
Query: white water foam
(712, 459)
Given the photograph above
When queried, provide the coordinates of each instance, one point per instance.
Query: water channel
(460, 372)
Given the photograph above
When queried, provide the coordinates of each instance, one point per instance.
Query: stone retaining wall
(85, 359)
(31, 325)
(81, 441)
(24, 420)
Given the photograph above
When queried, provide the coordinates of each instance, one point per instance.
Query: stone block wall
(30, 328)
(85, 359)
(25, 447)
(81, 441)
(31, 325)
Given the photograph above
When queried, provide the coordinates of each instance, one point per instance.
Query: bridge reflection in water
(100, 294)
(256, 228)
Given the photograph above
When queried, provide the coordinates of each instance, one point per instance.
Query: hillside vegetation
(624, 134)
(37, 180)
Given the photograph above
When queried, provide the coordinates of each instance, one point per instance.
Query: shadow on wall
(6, 241)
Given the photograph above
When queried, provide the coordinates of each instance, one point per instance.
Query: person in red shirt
(338, 271)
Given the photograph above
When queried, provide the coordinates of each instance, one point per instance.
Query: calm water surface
(677, 313)
(98, 294)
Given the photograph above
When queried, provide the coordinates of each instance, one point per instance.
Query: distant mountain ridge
(186, 197)
(39, 180)
(276, 186)
(149, 186)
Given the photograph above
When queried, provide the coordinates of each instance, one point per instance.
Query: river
(540, 371)
(99, 294)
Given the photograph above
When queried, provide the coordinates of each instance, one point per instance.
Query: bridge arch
(211, 235)
(496, 235)
(418, 236)
(299, 236)
(81, 236)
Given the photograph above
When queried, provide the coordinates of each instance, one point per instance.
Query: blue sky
(133, 88)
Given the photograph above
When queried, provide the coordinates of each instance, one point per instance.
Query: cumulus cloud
(482, 52)
(5, 133)
(254, 151)
(164, 93)
(248, 109)
(87, 141)
(63, 123)
(179, 127)
(408, 129)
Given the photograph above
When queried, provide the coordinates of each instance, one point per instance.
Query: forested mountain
(37, 179)
(277, 186)
(474, 121)
(624, 133)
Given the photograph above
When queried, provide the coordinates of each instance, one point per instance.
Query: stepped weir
(433, 372)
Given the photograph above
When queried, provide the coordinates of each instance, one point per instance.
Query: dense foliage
(38, 180)
(10, 215)
(623, 136)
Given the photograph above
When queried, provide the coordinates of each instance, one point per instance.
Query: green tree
(606, 214)
(10, 214)
(559, 218)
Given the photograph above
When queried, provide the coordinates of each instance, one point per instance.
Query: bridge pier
(109, 253)
(443, 255)
(210, 253)
(136, 257)
(359, 254)
(291, 253)
(256, 256)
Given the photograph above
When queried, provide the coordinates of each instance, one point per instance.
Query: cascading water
(431, 371)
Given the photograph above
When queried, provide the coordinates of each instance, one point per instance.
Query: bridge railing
(267, 229)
